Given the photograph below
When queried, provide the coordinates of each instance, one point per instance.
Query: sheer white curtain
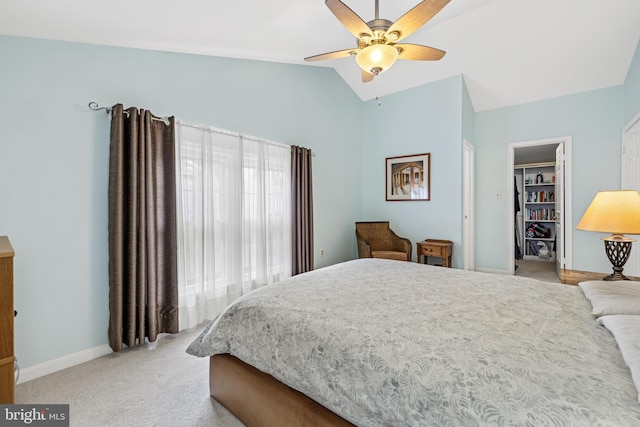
(234, 218)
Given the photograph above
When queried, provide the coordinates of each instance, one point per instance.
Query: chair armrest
(402, 244)
(410, 247)
(364, 249)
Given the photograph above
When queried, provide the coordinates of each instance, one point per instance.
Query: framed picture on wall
(409, 177)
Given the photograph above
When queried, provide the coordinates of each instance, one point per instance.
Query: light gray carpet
(143, 386)
(541, 270)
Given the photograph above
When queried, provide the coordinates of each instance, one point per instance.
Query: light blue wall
(632, 88)
(594, 119)
(54, 153)
(54, 156)
(427, 119)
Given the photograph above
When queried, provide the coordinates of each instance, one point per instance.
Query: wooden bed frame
(258, 399)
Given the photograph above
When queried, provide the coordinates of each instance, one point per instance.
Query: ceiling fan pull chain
(378, 95)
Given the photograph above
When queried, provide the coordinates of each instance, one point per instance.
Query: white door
(630, 180)
(468, 241)
(559, 198)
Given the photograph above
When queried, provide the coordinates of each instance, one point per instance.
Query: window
(234, 218)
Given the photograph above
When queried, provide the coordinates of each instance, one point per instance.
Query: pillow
(618, 297)
(626, 331)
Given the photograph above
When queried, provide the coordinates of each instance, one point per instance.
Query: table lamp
(616, 212)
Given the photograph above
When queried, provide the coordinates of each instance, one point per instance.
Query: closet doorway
(545, 185)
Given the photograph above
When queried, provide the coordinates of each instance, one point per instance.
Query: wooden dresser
(7, 357)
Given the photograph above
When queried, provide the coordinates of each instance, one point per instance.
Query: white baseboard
(64, 362)
(488, 270)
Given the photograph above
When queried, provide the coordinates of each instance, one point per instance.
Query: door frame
(630, 181)
(567, 244)
(468, 205)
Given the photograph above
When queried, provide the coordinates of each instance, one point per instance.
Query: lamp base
(616, 275)
(618, 249)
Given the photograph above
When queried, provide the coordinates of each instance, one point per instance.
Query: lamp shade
(377, 58)
(615, 212)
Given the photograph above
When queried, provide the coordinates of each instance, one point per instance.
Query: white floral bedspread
(389, 343)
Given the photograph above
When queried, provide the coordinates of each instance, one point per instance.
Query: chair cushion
(400, 256)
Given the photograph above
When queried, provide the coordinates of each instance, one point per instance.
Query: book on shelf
(540, 196)
(541, 214)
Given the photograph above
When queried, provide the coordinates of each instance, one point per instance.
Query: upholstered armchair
(377, 240)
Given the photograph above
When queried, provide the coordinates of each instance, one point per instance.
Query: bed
(374, 342)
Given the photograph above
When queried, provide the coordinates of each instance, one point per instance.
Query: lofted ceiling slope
(509, 51)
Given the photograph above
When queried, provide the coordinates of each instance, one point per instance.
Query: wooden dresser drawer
(6, 322)
(430, 251)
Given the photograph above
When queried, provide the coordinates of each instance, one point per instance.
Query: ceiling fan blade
(416, 52)
(367, 77)
(331, 55)
(349, 19)
(416, 17)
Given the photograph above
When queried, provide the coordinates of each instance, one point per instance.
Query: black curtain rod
(95, 107)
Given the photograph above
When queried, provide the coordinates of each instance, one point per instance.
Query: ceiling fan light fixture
(392, 37)
(376, 40)
(378, 57)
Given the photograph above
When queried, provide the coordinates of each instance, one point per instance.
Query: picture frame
(408, 178)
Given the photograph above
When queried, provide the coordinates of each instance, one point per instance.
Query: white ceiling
(509, 51)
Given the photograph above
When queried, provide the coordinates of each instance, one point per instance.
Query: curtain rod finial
(95, 107)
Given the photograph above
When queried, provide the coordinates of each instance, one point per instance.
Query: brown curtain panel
(301, 210)
(143, 279)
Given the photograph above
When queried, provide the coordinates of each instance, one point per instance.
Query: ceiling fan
(376, 49)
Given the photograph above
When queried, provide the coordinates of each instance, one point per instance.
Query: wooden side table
(436, 248)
